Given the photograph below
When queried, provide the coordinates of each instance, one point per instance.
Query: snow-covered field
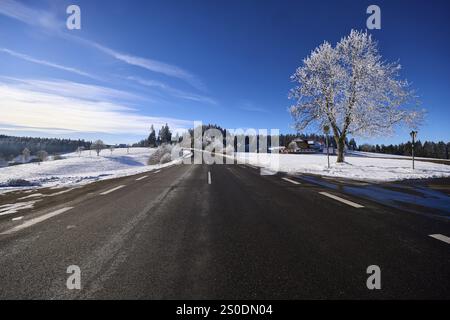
(355, 167)
(77, 169)
(393, 156)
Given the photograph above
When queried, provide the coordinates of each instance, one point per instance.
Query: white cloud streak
(49, 22)
(172, 91)
(28, 15)
(73, 89)
(47, 63)
(26, 107)
(249, 106)
(149, 64)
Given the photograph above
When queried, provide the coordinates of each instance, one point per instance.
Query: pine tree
(165, 135)
(352, 144)
(152, 137)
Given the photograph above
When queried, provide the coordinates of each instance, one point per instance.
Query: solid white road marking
(141, 178)
(441, 237)
(209, 177)
(350, 203)
(112, 190)
(291, 181)
(32, 222)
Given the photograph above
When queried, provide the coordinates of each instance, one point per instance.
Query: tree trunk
(340, 145)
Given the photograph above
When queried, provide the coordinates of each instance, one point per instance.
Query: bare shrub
(19, 183)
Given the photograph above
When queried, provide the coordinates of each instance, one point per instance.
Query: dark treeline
(11, 147)
(284, 139)
(153, 140)
(165, 136)
(428, 149)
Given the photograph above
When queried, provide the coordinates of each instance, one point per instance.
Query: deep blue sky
(224, 62)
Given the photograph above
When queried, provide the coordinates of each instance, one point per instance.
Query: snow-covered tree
(42, 156)
(292, 146)
(26, 155)
(98, 146)
(350, 88)
(80, 150)
(165, 135)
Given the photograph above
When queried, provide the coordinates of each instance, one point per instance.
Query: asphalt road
(220, 232)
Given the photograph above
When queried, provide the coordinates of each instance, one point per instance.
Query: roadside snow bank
(357, 168)
(75, 169)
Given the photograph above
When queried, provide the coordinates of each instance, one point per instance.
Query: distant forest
(427, 149)
(11, 147)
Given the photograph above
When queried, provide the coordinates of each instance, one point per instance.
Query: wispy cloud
(72, 89)
(172, 91)
(29, 15)
(149, 64)
(248, 106)
(47, 63)
(27, 107)
(48, 21)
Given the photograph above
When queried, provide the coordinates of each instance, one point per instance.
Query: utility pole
(326, 130)
(413, 135)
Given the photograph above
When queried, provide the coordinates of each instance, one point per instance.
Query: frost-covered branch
(351, 88)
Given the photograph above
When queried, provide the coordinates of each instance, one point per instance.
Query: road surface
(219, 232)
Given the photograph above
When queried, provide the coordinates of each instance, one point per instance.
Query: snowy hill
(75, 169)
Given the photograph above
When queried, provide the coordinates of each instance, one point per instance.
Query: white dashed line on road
(441, 237)
(59, 193)
(17, 218)
(34, 195)
(157, 171)
(112, 190)
(141, 178)
(209, 177)
(32, 222)
(291, 181)
(348, 202)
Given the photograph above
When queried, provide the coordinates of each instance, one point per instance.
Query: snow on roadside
(393, 156)
(357, 168)
(76, 169)
(11, 208)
